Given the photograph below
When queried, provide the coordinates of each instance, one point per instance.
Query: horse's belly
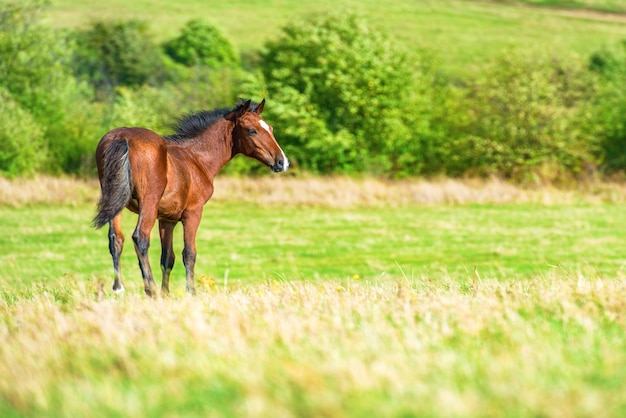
(164, 213)
(171, 206)
(168, 216)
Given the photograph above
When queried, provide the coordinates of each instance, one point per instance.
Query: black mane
(191, 125)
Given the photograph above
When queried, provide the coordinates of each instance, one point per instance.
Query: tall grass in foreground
(548, 346)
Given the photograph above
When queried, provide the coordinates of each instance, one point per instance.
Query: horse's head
(253, 137)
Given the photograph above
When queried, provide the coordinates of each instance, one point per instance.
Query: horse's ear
(239, 111)
(259, 108)
(245, 107)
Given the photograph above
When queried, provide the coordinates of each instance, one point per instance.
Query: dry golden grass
(47, 190)
(549, 346)
(343, 192)
(337, 192)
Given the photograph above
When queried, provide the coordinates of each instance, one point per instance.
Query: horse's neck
(213, 148)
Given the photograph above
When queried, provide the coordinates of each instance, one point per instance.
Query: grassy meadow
(374, 232)
(458, 32)
(334, 297)
(329, 297)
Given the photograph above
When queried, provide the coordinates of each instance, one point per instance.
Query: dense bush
(109, 54)
(610, 109)
(33, 59)
(72, 140)
(201, 44)
(526, 114)
(346, 100)
(22, 144)
(39, 93)
(339, 91)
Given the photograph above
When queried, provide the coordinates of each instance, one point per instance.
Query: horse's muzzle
(280, 166)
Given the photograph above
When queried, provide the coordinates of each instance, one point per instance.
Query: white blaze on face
(266, 126)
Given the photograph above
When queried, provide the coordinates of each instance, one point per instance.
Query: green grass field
(460, 33)
(250, 242)
(487, 301)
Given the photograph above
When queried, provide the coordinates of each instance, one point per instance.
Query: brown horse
(171, 178)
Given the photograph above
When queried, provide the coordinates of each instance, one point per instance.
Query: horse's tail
(114, 182)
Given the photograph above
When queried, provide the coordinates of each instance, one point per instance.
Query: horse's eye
(252, 131)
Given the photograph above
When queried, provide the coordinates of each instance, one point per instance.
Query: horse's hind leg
(166, 232)
(116, 243)
(141, 238)
(190, 225)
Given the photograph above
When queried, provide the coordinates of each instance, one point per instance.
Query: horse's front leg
(191, 221)
(166, 232)
(141, 238)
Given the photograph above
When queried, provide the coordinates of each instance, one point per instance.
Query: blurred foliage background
(344, 96)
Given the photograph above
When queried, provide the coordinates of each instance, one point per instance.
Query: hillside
(462, 32)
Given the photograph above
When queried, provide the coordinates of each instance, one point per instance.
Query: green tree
(201, 44)
(343, 93)
(525, 116)
(33, 59)
(37, 89)
(109, 54)
(22, 143)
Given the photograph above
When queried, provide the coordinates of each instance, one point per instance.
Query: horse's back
(140, 141)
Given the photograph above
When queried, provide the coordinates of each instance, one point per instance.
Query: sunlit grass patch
(551, 346)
